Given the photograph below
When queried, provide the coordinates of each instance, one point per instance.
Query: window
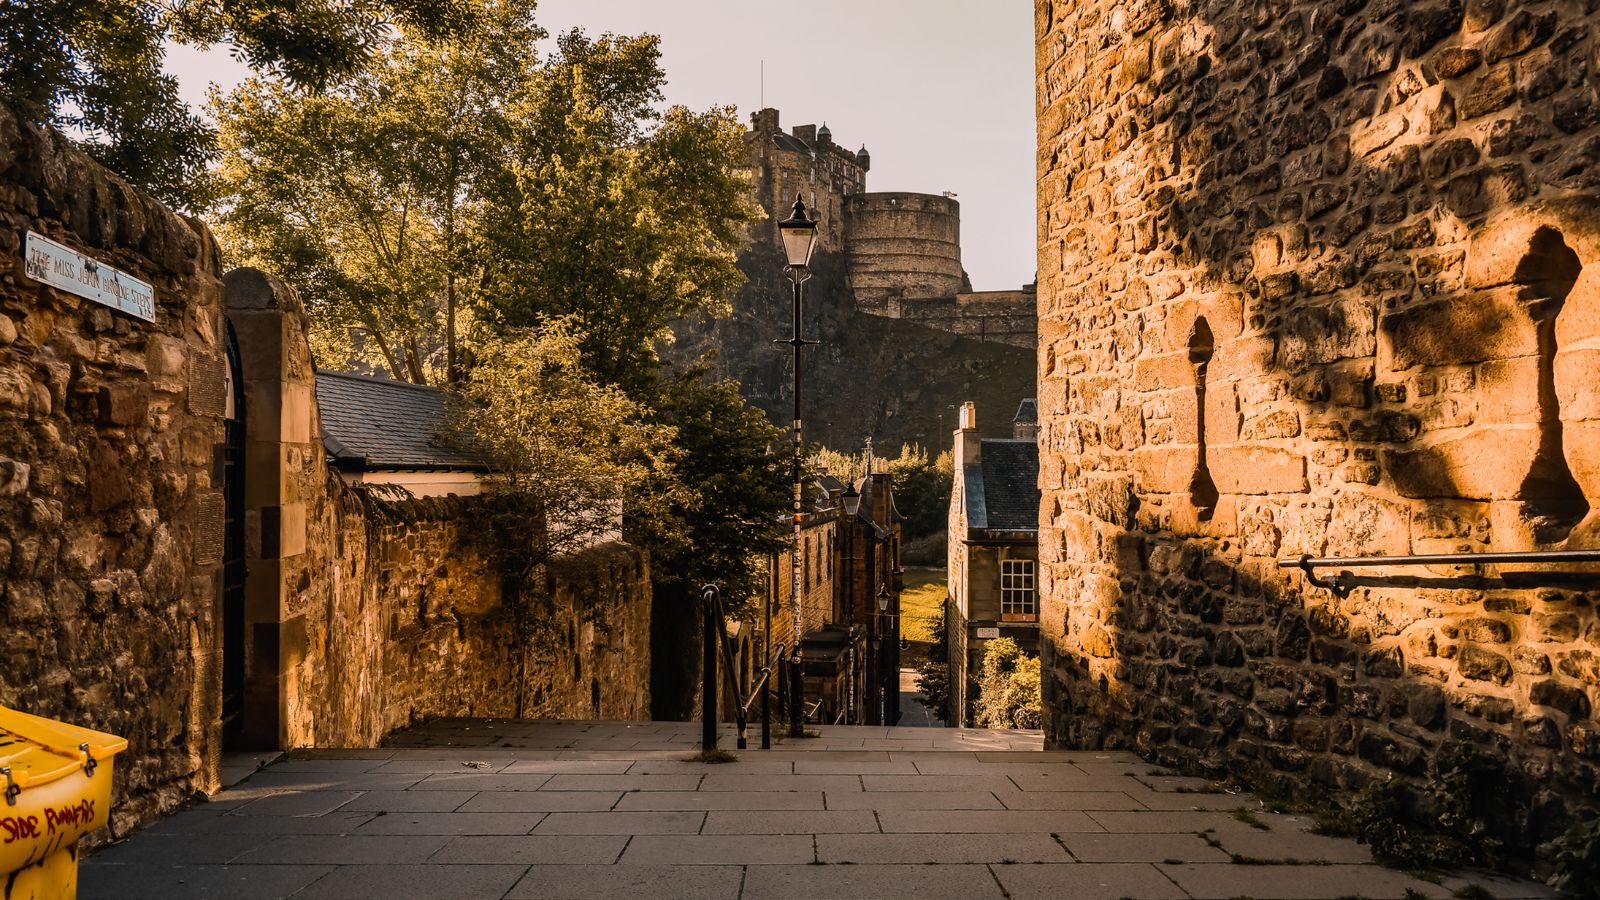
(1018, 602)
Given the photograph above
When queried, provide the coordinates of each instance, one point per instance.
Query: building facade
(1323, 281)
(902, 250)
(992, 550)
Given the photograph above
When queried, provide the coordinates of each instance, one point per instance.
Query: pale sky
(940, 91)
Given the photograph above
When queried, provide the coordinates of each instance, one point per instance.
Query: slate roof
(1002, 491)
(377, 423)
(791, 143)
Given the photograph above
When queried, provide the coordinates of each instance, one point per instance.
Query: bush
(933, 673)
(1008, 689)
(1577, 860)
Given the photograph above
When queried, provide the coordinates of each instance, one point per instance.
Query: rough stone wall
(107, 575)
(112, 521)
(1322, 278)
(1002, 317)
(903, 246)
(819, 578)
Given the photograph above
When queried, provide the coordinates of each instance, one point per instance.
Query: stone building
(850, 652)
(180, 565)
(902, 250)
(1323, 279)
(387, 432)
(992, 550)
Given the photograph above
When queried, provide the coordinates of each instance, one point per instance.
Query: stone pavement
(493, 809)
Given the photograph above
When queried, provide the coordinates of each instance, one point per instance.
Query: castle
(902, 250)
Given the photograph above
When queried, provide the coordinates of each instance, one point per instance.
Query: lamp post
(799, 233)
(877, 652)
(851, 499)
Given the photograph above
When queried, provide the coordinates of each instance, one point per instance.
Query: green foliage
(1576, 856)
(567, 448)
(369, 197)
(93, 67)
(921, 486)
(725, 496)
(1382, 816)
(1008, 687)
(933, 673)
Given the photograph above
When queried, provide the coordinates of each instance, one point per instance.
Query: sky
(940, 92)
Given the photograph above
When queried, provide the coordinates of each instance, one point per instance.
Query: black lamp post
(878, 653)
(799, 233)
(851, 499)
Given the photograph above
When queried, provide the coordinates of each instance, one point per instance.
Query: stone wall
(903, 246)
(1325, 279)
(359, 615)
(108, 502)
(1002, 317)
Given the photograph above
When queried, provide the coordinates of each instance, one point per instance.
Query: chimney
(806, 133)
(968, 444)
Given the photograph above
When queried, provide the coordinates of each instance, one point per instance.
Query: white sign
(988, 634)
(68, 270)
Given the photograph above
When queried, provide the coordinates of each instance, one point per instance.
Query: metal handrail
(716, 616)
(1340, 585)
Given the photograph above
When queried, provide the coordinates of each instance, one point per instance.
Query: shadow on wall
(1322, 280)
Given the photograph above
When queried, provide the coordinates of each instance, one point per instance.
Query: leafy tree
(564, 451)
(622, 216)
(1008, 688)
(921, 486)
(728, 494)
(368, 196)
(93, 67)
(933, 672)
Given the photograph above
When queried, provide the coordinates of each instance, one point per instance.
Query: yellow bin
(57, 783)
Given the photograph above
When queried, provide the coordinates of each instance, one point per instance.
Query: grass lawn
(920, 602)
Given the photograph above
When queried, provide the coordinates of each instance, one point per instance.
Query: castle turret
(863, 159)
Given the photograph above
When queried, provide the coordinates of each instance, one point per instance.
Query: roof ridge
(375, 379)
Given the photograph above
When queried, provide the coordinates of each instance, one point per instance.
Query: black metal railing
(1342, 583)
(715, 641)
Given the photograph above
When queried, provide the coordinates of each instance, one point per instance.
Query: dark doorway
(233, 564)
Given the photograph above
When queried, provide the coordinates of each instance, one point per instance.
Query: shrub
(1008, 689)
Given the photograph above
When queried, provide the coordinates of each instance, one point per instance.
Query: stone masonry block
(1461, 330)
(1162, 372)
(1164, 470)
(1487, 464)
(1245, 469)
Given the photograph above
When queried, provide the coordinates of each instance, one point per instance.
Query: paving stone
(827, 765)
(745, 766)
(97, 882)
(829, 783)
(419, 882)
(965, 764)
(622, 783)
(532, 849)
(887, 882)
(538, 801)
(296, 803)
(344, 849)
(1066, 781)
(979, 821)
(327, 765)
(1177, 802)
(1501, 886)
(1296, 882)
(1069, 800)
(720, 849)
(612, 882)
(1135, 767)
(1086, 881)
(452, 823)
(178, 849)
(1164, 820)
(939, 848)
(207, 822)
(838, 821)
(408, 801)
(707, 800)
(274, 780)
(941, 783)
(622, 823)
(484, 782)
(931, 800)
(1151, 848)
(454, 765)
(1299, 846)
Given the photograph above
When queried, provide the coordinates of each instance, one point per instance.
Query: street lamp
(799, 233)
(878, 654)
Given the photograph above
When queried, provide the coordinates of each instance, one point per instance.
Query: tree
(93, 67)
(367, 196)
(921, 486)
(933, 673)
(564, 453)
(1008, 688)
